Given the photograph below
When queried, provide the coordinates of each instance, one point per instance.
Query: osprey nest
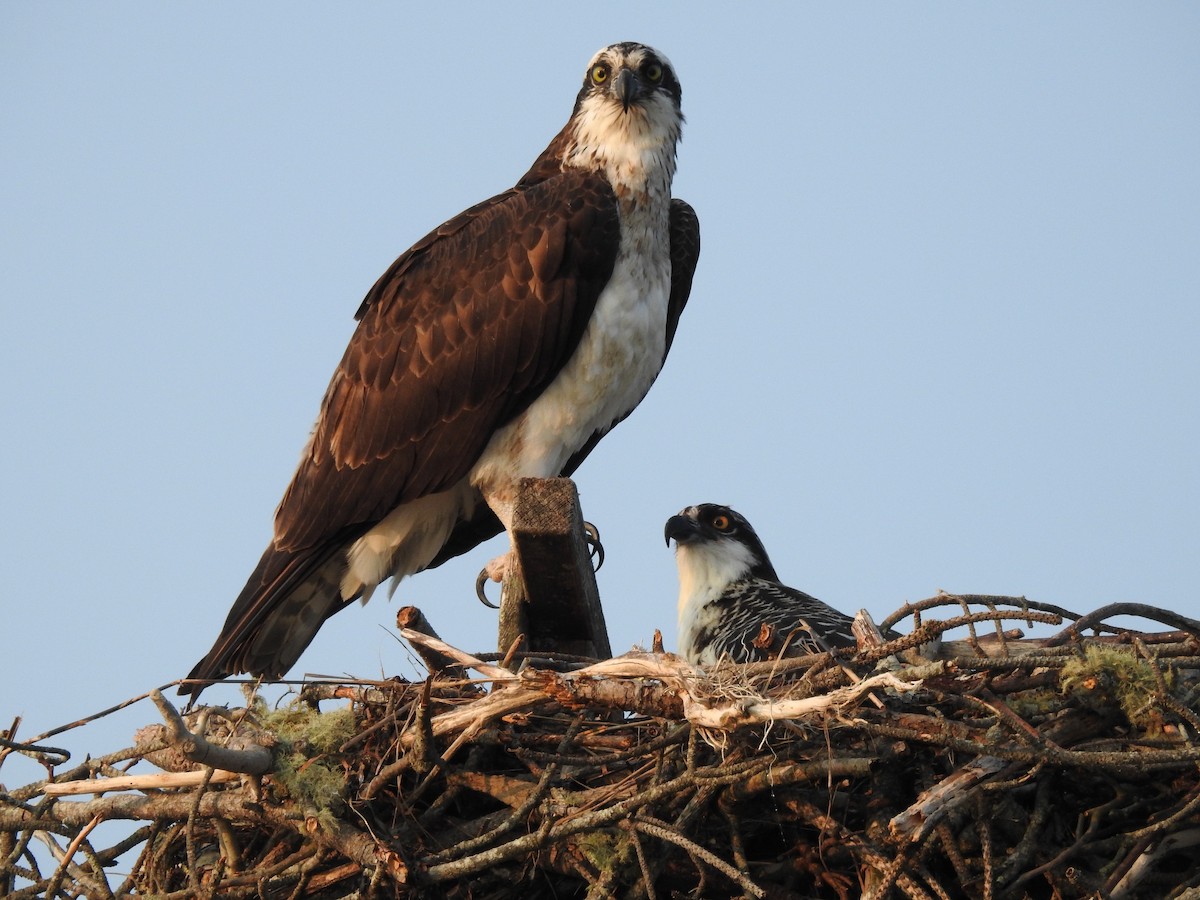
(1062, 767)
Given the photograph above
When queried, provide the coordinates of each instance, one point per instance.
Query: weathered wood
(550, 595)
(437, 662)
(155, 781)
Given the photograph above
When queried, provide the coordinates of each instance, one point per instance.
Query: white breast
(617, 360)
(612, 369)
(706, 570)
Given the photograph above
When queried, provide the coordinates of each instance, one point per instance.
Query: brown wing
(460, 335)
(457, 338)
(685, 253)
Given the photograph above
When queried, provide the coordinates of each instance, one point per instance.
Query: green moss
(324, 732)
(1107, 674)
(600, 848)
(1035, 704)
(307, 767)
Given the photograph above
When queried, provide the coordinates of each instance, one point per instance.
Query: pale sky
(943, 333)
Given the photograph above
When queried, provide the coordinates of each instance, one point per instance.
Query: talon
(481, 588)
(496, 571)
(591, 534)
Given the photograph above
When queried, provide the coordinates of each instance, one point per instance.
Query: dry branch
(249, 758)
(1070, 771)
(160, 782)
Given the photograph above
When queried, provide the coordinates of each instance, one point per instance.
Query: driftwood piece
(550, 596)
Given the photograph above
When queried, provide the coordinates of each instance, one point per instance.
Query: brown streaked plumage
(481, 357)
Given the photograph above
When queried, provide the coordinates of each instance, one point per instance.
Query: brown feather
(398, 393)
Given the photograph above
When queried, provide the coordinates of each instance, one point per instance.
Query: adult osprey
(728, 592)
(502, 345)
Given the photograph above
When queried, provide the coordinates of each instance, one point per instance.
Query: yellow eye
(721, 522)
(599, 74)
(653, 72)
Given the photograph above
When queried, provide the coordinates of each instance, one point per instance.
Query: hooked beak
(628, 88)
(680, 528)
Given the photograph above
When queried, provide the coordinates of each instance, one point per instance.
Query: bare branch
(250, 759)
(158, 782)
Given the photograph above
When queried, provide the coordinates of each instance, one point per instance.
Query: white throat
(706, 570)
(636, 149)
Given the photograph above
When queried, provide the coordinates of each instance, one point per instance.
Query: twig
(663, 831)
(984, 827)
(472, 864)
(65, 861)
(644, 865)
(495, 673)
(94, 716)
(516, 816)
(1148, 859)
(1092, 619)
(249, 760)
(1019, 604)
(157, 782)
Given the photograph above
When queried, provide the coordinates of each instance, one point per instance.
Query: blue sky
(943, 333)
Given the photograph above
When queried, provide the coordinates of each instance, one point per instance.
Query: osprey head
(715, 546)
(630, 100)
(632, 76)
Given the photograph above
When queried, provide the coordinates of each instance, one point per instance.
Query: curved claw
(595, 548)
(481, 588)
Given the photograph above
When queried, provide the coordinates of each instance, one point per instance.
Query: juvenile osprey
(731, 602)
(501, 345)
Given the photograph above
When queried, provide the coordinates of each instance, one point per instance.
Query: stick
(157, 782)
